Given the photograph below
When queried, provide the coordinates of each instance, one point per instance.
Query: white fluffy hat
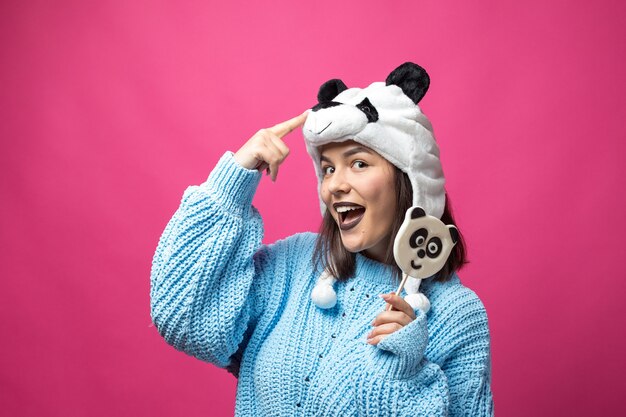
(385, 117)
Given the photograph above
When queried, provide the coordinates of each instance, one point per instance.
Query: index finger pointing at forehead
(282, 129)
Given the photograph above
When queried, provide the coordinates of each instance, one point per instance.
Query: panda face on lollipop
(423, 244)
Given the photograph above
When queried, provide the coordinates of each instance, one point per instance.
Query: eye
(418, 238)
(360, 164)
(433, 249)
(327, 170)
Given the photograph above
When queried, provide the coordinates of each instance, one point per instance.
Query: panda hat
(385, 117)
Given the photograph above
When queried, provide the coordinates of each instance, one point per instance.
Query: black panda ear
(330, 89)
(454, 233)
(417, 212)
(412, 79)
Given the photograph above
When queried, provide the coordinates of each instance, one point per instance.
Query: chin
(357, 245)
(352, 247)
(375, 249)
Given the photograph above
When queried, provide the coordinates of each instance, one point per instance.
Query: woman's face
(359, 191)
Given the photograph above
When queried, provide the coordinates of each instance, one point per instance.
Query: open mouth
(349, 214)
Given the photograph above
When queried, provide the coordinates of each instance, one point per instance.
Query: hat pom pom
(323, 294)
(418, 301)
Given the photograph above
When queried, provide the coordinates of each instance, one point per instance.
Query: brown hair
(332, 255)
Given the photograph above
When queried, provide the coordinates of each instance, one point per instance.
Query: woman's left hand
(388, 322)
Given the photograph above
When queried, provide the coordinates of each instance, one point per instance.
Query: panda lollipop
(386, 117)
(421, 249)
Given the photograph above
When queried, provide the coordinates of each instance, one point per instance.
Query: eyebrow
(349, 152)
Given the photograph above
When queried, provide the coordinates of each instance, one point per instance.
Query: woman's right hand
(266, 149)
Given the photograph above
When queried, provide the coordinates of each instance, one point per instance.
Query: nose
(337, 183)
(421, 253)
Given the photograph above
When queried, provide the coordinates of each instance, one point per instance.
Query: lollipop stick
(404, 278)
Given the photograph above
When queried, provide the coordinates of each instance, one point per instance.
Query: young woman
(298, 344)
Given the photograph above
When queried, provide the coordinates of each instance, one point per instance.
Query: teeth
(343, 209)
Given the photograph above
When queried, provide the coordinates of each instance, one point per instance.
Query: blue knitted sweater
(220, 295)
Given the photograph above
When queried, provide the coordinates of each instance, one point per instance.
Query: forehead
(338, 149)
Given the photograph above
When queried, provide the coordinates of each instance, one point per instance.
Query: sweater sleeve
(203, 297)
(391, 379)
(400, 374)
(468, 367)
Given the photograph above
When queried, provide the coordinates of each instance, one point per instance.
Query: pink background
(110, 109)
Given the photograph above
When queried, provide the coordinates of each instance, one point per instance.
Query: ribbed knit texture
(220, 295)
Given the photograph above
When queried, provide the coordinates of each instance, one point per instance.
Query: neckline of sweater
(372, 271)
